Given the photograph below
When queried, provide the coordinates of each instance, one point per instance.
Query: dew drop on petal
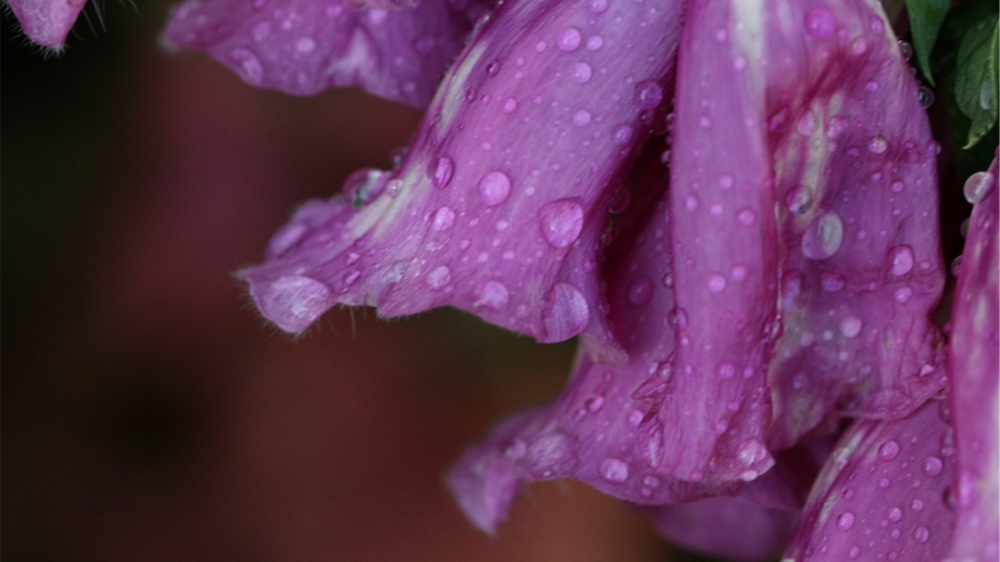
(492, 295)
(565, 313)
(746, 216)
(439, 277)
(921, 534)
(441, 171)
(594, 42)
(725, 371)
(614, 470)
(926, 96)
(640, 291)
(691, 202)
(494, 188)
(823, 237)
(249, 66)
(797, 199)
(933, 466)
(716, 283)
(831, 282)
(561, 222)
(977, 186)
(751, 452)
(580, 73)
(444, 219)
(621, 134)
(888, 451)
(294, 302)
(836, 127)
(845, 522)
(509, 106)
(895, 514)
(877, 144)
(901, 260)
(820, 22)
(902, 295)
(598, 6)
(581, 118)
(648, 94)
(569, 40)
(850, 326)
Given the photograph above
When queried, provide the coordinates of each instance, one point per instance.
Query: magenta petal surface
(883, 493)
(47, 22)
(974, 371)
(303, 47)
(500, 205)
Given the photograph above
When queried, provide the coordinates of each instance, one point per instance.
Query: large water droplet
(888, 451)
(561, 222)
(569, 40)
(509, 106)
(294, 302)
(725, 371)
(831, 282)
(580, 72)
(492, 295)
(648, 94)
(248, 65)
(439, 277)
(614, 470)
(565, 314)
(444, 219)
(797, 199)
(921, 534)
(594, 42)
(550, 455)
(925, 96)
(823, 237)
(581, 118)
(900, 260)
(986, 100)
(494, 188)
(621, 134)
(820, 22)
(977, 186)
(751, 452)
(716, 283)
(598, 6)
(441, 171)
(894, 514)
(933, 466)
(640, 291)
(850, 326)
(877, 144)
(846, 521)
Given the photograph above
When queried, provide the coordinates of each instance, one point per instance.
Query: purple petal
(500, 206)
(303, 47)
(822, 122)
(47, 22)
(730, 528)
(882, 494)
(974, 369)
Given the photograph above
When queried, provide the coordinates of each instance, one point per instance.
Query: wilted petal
(303, 47)
(47, 22)
(500, 205)
(882, 494)
(974, 370)
(807, 109)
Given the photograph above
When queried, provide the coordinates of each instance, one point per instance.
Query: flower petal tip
(47, 22)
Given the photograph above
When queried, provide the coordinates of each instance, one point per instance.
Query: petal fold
(883, 494)
(47, 22)
(974, 368)
(303, 47)
(501, 205)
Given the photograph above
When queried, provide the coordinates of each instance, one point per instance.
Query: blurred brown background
(149, 413)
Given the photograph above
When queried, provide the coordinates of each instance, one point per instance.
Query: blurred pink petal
(47, 22)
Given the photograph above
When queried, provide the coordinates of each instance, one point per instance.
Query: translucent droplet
(807, 124)
(648, 94)
(986, 100)
(493, 68)
(845, 522)
(850, 326)
(565, 313)
(716, 283)
(725, 371)
(444, 219)
(894, 514)
(691, 202)
(933, 466)
(614, 470)
(926, 96)
(580, 72)
(441, 171)
(823, 237)
(581, 118)
(509, 106)
(897, 186)
(439, 277)
(640, 291)
(977, 186)
(797, 199)
(598, 6)
(569, 40)
(956, 266)
(902, 295)
(820, 22)
(705, 122)
(906, 50)
(836, 127)
(594, 42)
(494, 188)
(751, 452)
(831, 282)
(294, 302)
(921, 534)
(248, 65)
(877, 144)
(621, 134)
(561, 222)
(900, 260)
(888, 451)
(492, 295)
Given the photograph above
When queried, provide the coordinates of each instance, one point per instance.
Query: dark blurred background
(150, 414)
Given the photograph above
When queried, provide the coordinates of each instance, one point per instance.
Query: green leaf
(977, 90)
(926, 17)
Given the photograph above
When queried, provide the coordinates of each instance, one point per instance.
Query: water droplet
(668, 280)
(260, 31)
(902, 295)
(933, 466)
(509, 106)
(875, 25)
(581, 118)
(248, 65)
(594, 42)
(678, 318)
(494, 188)
(739, 272)
(797, 199)
(493, 68)
(926, 96)
(716, 283)
(439, 277)
(905, 49)
(807, 124)
(691, 202)
(823, 237)
(917, 505)
(964, 227)
(791, 289)
(871, 86)
(725, 371)
(705, 122)
(715, 210)
(986, 96)
(594, 403)
(492, 295)
(895, 514)
(854, 552)
(305, 45)
(820, 22)
(977, 186)
(859, 46)
(621, 134)
(888, 451)
(550, 455)
(901, 260)
(648, 94)
(580, 72)
(561, 222)
(441, 171)
(897, 186)
(921, 534)
(569, 40)
(640, 291)
(565, 314)
(751, 452)
(614, 470)
(294, 302)
(444, 219)
(846, 521)
(836, 127)
(956, 266)
(598, 6)
(877, 145)
(850, 326)
(831, 282)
